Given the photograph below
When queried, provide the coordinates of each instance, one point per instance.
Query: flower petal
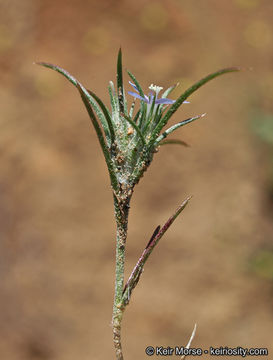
(134, 86)
(164, 101)
(135, 95)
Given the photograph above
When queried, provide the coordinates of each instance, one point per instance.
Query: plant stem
(122, 205)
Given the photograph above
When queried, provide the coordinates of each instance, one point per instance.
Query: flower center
(156, 89)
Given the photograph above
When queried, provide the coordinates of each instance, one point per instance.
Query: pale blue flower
(148, 99)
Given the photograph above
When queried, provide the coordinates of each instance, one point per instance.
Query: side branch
(138, 269)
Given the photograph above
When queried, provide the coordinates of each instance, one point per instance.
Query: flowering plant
(129, 139)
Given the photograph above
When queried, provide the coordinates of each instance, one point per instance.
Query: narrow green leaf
(90, 98)
(138, 269)
(106, 153)
(143, 107)
(169, 90)
(136, 117)
(120, 82)
(125, 105)
(113, 98)
(134, 125)
(174, 142)
(183, 97)
(131, 112)
(176, 126)
(65, 73)
(122, 126)
(106, 114)
(143, 113)
(141, 93)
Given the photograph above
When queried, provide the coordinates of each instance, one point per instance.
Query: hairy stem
(122, 205)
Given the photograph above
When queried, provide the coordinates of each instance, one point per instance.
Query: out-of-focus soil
(56, 214)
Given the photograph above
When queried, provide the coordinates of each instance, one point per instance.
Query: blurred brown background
(215, 265)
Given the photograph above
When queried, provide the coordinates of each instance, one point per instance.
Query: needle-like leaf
(113, 100)
(157, 235)
(136, 117)
(120, 82)
(173, 141)
(182, 98)
(136, 83)
(106, 114)
(143, 108)
(106, 153)
(167, 92)
(176, 126)
(88, 96)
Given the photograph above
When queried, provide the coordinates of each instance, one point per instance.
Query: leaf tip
(236, 68)
(46, 64)
(183, 205)
(188, 198)
(38, 63)
(249, 68)
(185, 202)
